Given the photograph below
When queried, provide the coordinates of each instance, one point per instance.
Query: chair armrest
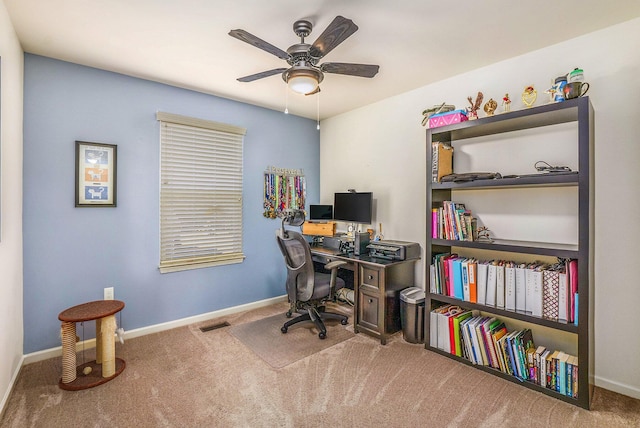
(335, 264)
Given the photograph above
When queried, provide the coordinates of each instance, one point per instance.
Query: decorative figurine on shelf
(529, 96)
(490, 107)
(483, 235)
(506, 103)
(472, 113)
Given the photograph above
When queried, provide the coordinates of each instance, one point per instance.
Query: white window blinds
(200, 193)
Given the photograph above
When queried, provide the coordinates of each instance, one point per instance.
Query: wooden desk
(377, 283)
(106, 366)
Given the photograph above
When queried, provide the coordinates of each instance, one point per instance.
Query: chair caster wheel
(288, 314)
(322, 335)
(344, 322)
(284, 330)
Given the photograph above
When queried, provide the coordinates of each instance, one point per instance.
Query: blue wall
(71, 254)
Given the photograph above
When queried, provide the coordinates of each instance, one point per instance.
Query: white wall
(381, 148)
(10, 205)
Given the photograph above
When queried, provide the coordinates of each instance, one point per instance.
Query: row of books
(453, 221)
(484, 340)
(542, 290)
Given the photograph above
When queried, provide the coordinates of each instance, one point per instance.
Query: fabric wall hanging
(283, 189)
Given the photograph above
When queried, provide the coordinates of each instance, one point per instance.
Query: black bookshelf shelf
(578, 112)
(525, 247)
(510, 378)
(517, 315)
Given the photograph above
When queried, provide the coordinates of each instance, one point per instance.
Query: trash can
(412, 314)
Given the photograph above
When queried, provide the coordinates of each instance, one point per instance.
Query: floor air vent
(214, 327)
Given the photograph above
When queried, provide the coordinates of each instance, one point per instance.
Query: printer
(394, 250)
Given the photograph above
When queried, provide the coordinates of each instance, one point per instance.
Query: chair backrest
(300, 272)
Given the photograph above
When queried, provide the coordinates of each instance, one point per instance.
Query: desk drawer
(370, 277)
(369, 311)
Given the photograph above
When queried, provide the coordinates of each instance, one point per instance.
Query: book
(538, 358)
(569, 381)
(510, 286)
(466, 339)
(552, 374)
(574, 389)
(481, 282)
(489, 327)
(497, 334)
(543, 368)
(511, 354)
(434, 223)
(457, 319)
(562, 373)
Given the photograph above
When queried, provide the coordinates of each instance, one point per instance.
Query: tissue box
(448, 118)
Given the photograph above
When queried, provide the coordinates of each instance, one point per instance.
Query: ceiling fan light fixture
(303, 79)
(302, 84)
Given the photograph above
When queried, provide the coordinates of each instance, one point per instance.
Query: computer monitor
(321, 212)
(353, 207)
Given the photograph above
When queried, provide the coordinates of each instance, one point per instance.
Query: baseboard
(12, 383)
(91, 343)
(618, 387)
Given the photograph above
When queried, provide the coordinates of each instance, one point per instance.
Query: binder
(563, 297)
(500, 285)
(473, 289)
(521, 290)
(491, 284)
(551, 294)
(510, 287)
(572, 271)
(481, 282)
(466, 296)
(537, 295)
(457, 278)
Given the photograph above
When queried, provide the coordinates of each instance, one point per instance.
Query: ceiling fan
(304, 74)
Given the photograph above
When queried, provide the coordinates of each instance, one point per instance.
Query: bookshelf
(578, 115)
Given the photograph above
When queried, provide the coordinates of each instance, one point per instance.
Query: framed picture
(95, 174)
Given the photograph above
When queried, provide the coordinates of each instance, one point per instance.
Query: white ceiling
(415, 42)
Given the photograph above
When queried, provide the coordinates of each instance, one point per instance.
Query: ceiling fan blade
(257, 76)
(361, 70)
(259, 43)
(337, 32)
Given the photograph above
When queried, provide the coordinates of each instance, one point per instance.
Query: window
(200, 193)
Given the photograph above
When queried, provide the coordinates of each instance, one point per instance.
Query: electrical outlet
(108, 293)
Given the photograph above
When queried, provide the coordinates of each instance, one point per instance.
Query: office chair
(307, 290)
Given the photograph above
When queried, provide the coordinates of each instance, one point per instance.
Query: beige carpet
(279, 350)
(183, 378)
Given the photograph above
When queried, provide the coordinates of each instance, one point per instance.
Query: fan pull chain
(286, 98)
(318, 110)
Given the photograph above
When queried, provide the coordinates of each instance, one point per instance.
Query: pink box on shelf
(448, 118)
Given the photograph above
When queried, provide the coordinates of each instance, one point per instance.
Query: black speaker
(360, 243)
